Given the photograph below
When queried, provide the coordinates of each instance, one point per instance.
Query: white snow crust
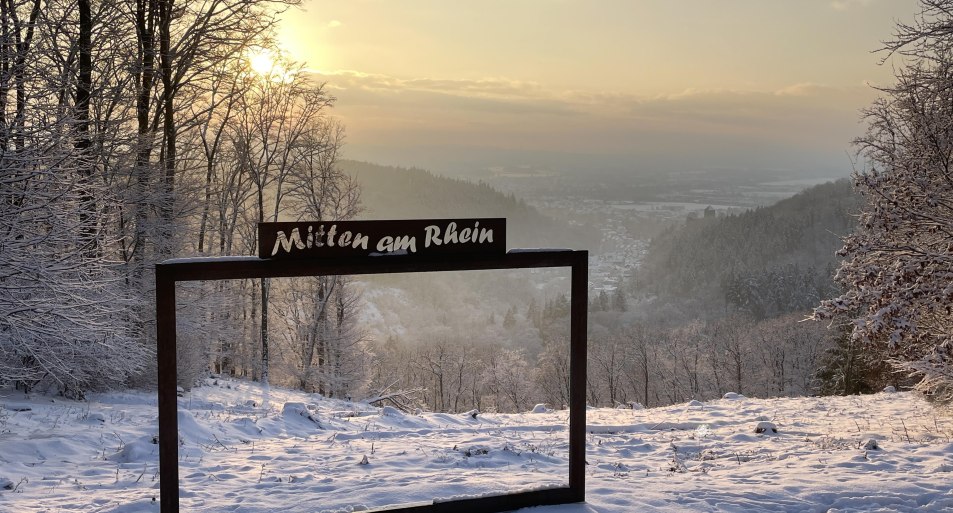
(248, 450)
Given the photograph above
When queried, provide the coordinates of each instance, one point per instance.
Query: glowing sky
(628, 84)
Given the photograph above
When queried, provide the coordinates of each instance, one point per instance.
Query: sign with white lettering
(328, 239)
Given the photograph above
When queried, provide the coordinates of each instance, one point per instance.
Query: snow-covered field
(245, 449)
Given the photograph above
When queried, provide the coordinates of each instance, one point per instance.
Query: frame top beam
(230, 268)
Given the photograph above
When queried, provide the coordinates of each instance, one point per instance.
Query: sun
(270, 64)
(263, 61)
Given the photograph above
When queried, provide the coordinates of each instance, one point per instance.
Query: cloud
(505, 115)
(801, 89)
(500, 88)
(386, 90)
(844, 5)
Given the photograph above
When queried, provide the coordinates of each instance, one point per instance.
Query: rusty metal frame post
(578, 319)
(168, 400)
(170, 272)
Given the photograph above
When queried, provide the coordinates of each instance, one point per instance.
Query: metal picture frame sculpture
(323, 248)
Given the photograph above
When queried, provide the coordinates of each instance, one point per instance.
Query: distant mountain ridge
(410, 193)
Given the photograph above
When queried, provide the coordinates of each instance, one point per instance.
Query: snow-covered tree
(118, 124)
(62, 303)
(552, 375)
(898, 272)
(59, 299)
(507, 380)
(321, 345)
(787, 353)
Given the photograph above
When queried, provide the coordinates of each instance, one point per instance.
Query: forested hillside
(765, 262)
(402, 193)
(719, 307)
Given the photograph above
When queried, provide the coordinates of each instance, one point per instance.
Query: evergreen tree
(509, 320)
(618, 301)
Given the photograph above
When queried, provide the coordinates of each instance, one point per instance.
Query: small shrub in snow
(766, 427)
(676, 465)
(871, 445)
(476, 450)
(942, 468)
(364, 461)
(702, 431)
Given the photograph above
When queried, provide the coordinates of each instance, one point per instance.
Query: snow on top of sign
(538, 250)
(237, 258)
(192, 260)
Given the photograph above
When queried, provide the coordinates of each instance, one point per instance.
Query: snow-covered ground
(245, 449)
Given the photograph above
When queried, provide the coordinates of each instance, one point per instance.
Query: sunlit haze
(640, 85)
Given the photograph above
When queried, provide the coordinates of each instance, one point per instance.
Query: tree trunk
(83, 143)
(145, 81)
(265, 284)
(168, 126)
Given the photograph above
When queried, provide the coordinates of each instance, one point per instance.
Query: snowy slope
(245, 449)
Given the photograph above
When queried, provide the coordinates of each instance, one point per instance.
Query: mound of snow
(295, 408)
(16, 406)
(390, 411)
(540, 408)
(247, 426)
(695, 403)
(299, 414)
(191, 430)
(95, 417)
(137, 451)
(733, 396)
(5, 484)
(890, 389)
